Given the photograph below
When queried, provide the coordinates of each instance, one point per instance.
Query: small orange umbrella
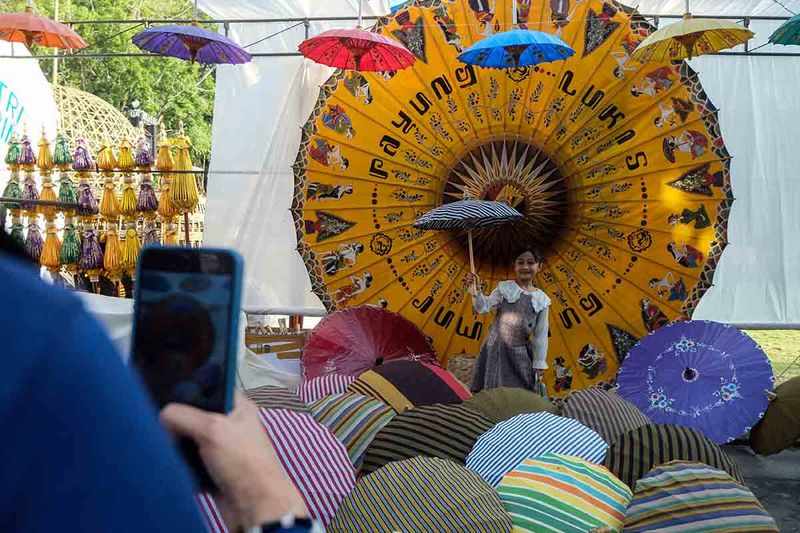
(28, 28)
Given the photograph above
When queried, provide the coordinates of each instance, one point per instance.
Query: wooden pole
(187, 242)
(471, 255)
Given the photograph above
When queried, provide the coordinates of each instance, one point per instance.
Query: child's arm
(486, 304)
(539, 340)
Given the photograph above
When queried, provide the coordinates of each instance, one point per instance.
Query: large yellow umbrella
(618, 168)
(691, 37)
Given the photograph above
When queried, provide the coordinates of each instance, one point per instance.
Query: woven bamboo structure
(86, 116)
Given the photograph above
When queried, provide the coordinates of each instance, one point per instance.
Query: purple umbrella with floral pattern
(699, 374)
(191, 43)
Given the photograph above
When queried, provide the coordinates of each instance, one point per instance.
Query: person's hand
(239, 457)
(473, 284)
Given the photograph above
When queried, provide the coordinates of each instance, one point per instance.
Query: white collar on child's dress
(511, 291)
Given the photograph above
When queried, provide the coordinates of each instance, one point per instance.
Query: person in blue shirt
(82, 447)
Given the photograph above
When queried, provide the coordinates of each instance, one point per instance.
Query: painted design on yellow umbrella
(618, 168)
(691, 37)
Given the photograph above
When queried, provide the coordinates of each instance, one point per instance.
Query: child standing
(514, 353)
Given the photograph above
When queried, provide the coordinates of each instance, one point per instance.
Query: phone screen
(184, 315)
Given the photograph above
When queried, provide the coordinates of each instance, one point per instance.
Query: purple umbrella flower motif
(703, 375)
(685, 345)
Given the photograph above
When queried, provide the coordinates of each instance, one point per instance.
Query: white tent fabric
(260, 108)
(26, 100)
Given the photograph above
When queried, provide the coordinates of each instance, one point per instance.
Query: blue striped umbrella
(498, 451)
(468, 215)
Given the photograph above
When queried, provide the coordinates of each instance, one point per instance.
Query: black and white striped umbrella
(468, 215)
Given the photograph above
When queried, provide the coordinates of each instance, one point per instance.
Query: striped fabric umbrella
(314, 389)
(503, 403)
(636, 452)
(422, 495)
(693, 498)
(502, 448)
(211, 515)
(468, 215)
(444, 431)
(405, 384)
(354, 419)
(566, 494)
(606, 412)
(315, 461)
(271, 397)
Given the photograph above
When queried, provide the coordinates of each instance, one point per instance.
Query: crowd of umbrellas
(378, 437)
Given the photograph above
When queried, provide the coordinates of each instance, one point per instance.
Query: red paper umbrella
(354, 340)
(32, 29)
(357, 49)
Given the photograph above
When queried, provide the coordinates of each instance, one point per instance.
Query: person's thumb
(186, 421)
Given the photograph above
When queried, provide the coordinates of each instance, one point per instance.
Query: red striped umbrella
(316, 462)
(32, 29)
(317, 388)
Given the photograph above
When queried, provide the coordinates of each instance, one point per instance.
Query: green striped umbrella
(636, 452)
(606, 412)
(559, 493)
(422, 495)
(506, 402)
(694, 498)
(444, 431)
(354, 419)
(271, 397)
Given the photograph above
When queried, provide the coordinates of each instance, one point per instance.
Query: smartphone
(186, 329)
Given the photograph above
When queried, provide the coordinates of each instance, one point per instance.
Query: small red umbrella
(354, 340)
(357, 49)
(28, 28)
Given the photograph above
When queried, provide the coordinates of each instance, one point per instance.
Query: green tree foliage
(175, 90)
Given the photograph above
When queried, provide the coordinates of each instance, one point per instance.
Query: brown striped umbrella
(636, 452)
(406, 384)
(604, 411)
(271, 397)
(422, 495)
(445, 431)
(780, 427)
(506, 402)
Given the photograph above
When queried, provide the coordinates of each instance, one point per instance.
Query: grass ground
(783, 349)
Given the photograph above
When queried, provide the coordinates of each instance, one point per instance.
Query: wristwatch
(290, 523)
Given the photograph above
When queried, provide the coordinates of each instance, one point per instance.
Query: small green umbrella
(507, 402)
(780, 427)
(787, 33)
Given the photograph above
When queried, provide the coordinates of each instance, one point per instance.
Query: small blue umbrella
(516, 48)
(699, 374)
(788, 33)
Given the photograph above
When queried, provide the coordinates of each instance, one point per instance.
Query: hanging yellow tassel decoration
(130, 248)
(166, 209)
(109, 210)
(51, 251)
(183, 192)
(126, 164)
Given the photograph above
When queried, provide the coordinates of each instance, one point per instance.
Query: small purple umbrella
(191, 42)
(700, 374)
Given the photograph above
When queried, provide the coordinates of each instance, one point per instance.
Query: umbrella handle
(471, 254)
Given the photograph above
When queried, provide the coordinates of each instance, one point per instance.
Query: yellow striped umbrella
(556, 492)
(691, 37)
